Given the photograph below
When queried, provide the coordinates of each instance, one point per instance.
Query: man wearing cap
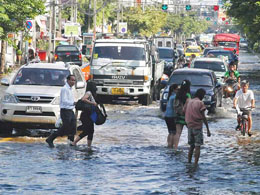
(245, 99)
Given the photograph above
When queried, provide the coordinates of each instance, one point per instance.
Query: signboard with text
(72, 30)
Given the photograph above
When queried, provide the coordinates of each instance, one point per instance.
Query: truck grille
(35, 99)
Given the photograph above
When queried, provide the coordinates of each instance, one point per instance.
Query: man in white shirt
(245, 99)
(67, 104)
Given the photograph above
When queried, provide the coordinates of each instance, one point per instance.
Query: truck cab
(125, 68)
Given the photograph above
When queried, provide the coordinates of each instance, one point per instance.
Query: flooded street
(129, 155)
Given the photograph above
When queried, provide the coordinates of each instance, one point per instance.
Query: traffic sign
(188, 7)
(164, 7)
(29, 24)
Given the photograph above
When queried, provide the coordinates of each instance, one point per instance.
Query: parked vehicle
(126, 68)
(32, 97)
(217, 65)
(228, 41)
(68, 53)
(228, 56)
(168, 55)
(199, 78)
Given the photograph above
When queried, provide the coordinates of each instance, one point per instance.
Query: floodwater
(129, 155)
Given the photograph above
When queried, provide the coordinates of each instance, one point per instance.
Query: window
(120, 52)
(37, 76)
(215, 66)
(195, 79)
(159, 43)
(168, 44)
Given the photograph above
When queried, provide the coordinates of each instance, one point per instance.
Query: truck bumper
(123, 91)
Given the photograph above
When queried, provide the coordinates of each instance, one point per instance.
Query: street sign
(122, 27)
(29, 24)
(164, 7)
(72, 29)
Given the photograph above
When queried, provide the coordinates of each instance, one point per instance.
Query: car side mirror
(80, 84)
(218, 84)
(5, 82)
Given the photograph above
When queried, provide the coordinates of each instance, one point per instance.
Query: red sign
(223, 19)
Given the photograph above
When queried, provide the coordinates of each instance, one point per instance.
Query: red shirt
(194, 109)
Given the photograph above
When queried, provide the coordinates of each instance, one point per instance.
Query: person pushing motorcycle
(243, 100)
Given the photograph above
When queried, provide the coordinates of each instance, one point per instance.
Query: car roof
(219, 51)
(66, 46)
(166, 48)
(192, 71)
(193, 47)
(121, 41)
(56, 65)
(208, 59)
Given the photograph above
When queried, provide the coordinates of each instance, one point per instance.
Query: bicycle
(243, 119)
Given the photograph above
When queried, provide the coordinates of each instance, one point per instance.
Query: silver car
(32, 97)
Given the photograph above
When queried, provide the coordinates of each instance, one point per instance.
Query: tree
(145, 23)
(247, 16)
(13, 14)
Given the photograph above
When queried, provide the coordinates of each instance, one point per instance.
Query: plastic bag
(58, 123)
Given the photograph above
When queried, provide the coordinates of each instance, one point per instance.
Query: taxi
(196, 50)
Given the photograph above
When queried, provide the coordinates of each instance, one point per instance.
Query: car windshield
(215, 66)
(227, 44)
(37, 76)
(119, 53)
(191, 50)
(219, 54)
(195, 79)
(165, 53)
(66, 48)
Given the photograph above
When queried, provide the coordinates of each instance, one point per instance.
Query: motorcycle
(230, 88)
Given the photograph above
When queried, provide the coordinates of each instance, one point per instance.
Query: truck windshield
(38, 76)
(227, 44)
(195, 79)
(166, 53)
(119, 53)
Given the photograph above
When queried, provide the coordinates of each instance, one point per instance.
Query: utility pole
(89, 7)
(60, 8)
(53, 25)
(117, 17)
(95, 19)
(103, 20)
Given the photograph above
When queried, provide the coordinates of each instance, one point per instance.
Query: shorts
(171, 125)
(246, 112)
(195, 137)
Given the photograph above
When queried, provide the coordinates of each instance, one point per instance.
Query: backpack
(101, 115)
(178, 107)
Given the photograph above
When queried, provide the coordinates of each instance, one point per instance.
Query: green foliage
(14, 13)
(19, 52)
(247, 15)
(145, 23)
(185, 24)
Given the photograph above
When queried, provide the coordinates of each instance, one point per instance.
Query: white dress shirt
(66, 97)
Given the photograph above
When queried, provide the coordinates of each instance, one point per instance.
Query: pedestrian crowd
(182, 110)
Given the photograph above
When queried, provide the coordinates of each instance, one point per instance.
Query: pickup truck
(126, 68)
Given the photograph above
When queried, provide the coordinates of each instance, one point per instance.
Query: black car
(199, 78)
(226, 53)
(68, 53)
(207, 49)
(169, 56)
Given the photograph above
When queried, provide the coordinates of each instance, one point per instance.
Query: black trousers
(68, 124)
(87, 126)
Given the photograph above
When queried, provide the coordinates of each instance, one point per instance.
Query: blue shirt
(169, 108)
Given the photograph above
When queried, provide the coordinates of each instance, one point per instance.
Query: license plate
(118, 91)
(34, 109)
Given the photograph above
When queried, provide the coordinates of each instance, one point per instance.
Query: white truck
(126, 68)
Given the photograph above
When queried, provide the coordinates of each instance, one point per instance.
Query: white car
(219, 66)
(33, 94)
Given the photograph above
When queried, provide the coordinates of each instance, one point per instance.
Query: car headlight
(207, 98)
(56, 101)
(165, 96)
(9, 98)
